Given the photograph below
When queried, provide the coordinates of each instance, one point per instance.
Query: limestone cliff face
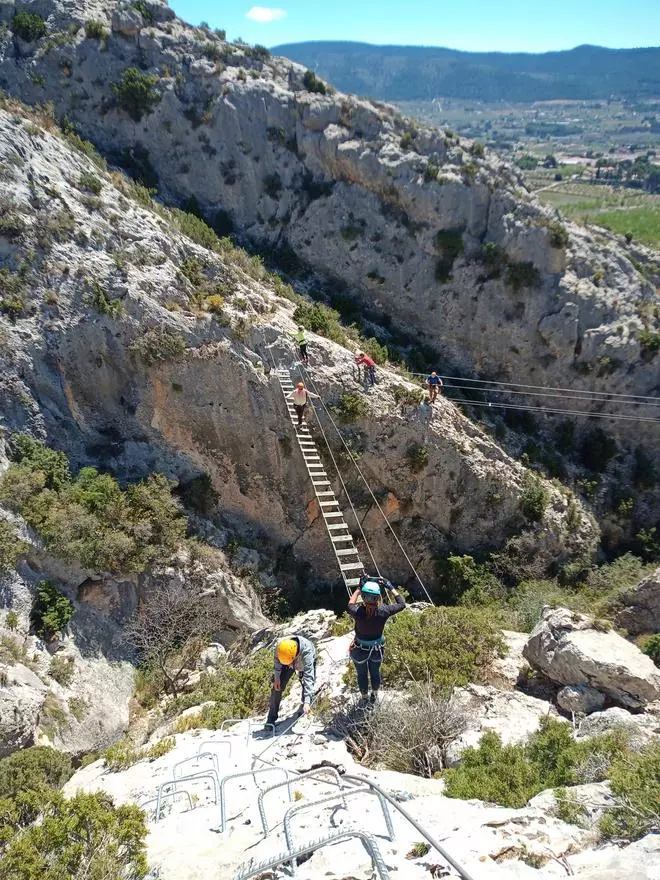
(325, 177)
(104, 286)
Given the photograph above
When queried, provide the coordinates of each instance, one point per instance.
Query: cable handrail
(606, 394)
(366, 482)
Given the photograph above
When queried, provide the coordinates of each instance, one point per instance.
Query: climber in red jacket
(369, 365)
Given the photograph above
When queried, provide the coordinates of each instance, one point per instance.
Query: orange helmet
(287, 650)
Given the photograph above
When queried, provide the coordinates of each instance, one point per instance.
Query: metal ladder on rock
(344, 548)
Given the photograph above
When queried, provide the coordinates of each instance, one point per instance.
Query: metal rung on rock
(351, 566)
(342, 539)
(352, 582)
(335, 527)
(351, 552)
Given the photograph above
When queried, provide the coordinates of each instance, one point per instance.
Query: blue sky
(500, 25)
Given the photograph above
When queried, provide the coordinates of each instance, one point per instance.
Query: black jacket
(371, 627)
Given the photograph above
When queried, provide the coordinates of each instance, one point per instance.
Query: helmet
(370, 591)
(301, 328)
(287, 650)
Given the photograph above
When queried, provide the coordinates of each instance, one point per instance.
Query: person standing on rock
(300, 397)
(369, 365)
(435, 384)
(368, 644)
(293, 654)
(301, 339)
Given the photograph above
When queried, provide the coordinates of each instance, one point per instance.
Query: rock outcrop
(409, 220)
(642, 611)
(569, 650)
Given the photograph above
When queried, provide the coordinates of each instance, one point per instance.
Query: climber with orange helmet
(300, 397)
(293, 654)
(370, 615)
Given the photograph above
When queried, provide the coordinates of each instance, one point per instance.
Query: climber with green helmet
(371, 615)
(292, 654)
(301, 339)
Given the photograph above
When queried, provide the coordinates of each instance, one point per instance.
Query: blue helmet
(370, 591)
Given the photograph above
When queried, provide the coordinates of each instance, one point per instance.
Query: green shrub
(12, 651)
(123, 754)
(11, 621)
(28, 780)
(459, 574)
(478, 150)
(236, 691)
(273, 185)
(200, 495)
(559, 237)
(11, 547)
(635, 782)
(533, 499)
(375, 350)
(135, 93)
(28, 26)
(313, 84)
(449, 646)
(651, 648)
(512, 774)
(450, 244)
(95, 30)
(649, 342)
(408, 396)
(408, 139)
(596, 450)
(351, 407)
(520, 275)
(78, 708)
(12, 225)
(196, 229)
(12, 294)
(51, 610)
(144, 11)
(90, 519)
(494, 258)
(90, 181)
(320, 319)
(342, 625)
(53, 466)
(418, 457)
(99, 300)
(159, 344)
(62, 669)
(86, 836)
(470, 171)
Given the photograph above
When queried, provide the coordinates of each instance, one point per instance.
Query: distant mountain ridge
(405, 73)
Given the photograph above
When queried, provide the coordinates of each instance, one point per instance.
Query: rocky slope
(487, 841)
(104, 285)
(408, 220)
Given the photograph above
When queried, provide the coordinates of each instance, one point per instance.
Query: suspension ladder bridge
(343, 545)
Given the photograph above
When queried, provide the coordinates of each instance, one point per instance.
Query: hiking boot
(373, 697)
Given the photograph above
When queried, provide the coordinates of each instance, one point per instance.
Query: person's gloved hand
(306, 709)
(276, 684)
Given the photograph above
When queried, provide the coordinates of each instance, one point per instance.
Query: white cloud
(265, 14)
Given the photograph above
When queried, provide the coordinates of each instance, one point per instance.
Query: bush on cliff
(512, 774)
(89, 519)
(44, 836)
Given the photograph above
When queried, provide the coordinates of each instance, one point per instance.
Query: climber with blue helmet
(370, 615)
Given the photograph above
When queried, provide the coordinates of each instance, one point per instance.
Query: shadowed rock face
(326, 178)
